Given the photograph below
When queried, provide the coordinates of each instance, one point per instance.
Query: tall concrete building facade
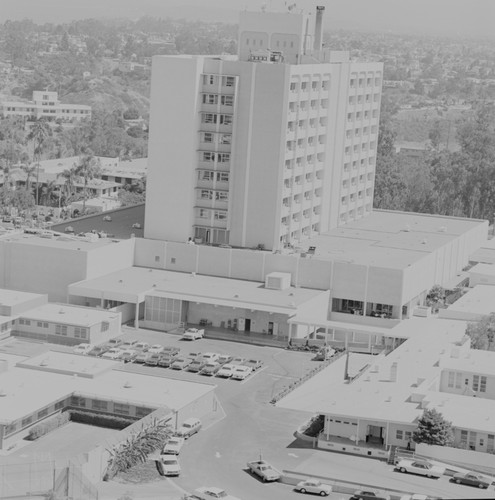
(268, 148)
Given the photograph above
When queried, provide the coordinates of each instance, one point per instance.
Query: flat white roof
(486, 269)
(478, 300)
(25, 391)
(374, 395)
(389, 239)
(66, 314)
(14, 297)
(474, 361)
(136, 282)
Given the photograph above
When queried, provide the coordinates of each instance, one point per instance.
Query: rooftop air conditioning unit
(277, 281)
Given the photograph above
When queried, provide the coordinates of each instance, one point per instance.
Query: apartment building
(45, 105)
(265, 149)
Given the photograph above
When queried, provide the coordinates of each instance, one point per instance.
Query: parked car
(142, 357)
(314, 486)
(181, 363)
(170, 349)
(155, 349)
(82, 348)
(197, 365)
(210, 369)
(211, 493)
(264, 470)
(170, 465)
(193, 334)
(254, 364)
(98, 350)
(142, 346)
(69, 229)
(173, 446)
(166, 360)
(136, 225)
(188, 428)
(128, 355)
(471, 479)
(113, 353)
(420, 467)
(210, 356)
(324, 353)
(195, 355)
(226, 371)
(152, 359)
(107, 218)
(114, 342)
(224, 359)
(237, 361)
(367, 495)
(129, 344)
(241, 372)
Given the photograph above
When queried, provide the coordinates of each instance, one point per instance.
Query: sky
(430, 17)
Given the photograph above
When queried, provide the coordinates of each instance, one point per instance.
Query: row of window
(355, 180)
(212, 156)
(366, 115)
(351, 215)
(313, 105)
(215, 118)
(211, 175)
(361, 99)
(78, 331)
(358, 132)
(360, 147)
(362, 163)
(162, 310)
(224, 100)
(455, 380)
(212, 138)
(353, 197)
(204, 213)
(225, 81)
(306, 85)
(211, 194)
(360, 82)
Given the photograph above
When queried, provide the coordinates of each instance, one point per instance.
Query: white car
(420, 467)
(210, 357)
(82, 348)
(141, 346)
(170, 465)
(211, 493)
(155, 349)
(193, 334)
(314, 486)
(241, 372)
(129, 344)
(173, 446)
(113, 353)
(226, 371)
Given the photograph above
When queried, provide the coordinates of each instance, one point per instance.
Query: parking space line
(253, 375)
(177, 487)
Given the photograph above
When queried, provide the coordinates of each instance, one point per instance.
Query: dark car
(196, 366)
(471, 479)
(367, 495)
(99, 350)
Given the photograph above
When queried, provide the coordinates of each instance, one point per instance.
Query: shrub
(315, 426)
(100, 420)
(48, 425)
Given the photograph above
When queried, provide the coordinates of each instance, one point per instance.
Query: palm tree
(40, 131)
(29, 169)
(47, 192)
(89, 167)
(68, 175)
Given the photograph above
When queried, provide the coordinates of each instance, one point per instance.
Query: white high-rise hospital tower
(269, 147)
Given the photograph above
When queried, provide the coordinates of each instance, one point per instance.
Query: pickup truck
(264, 470)
(193, 334)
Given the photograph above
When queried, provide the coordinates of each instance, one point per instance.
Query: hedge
(48, 425)
(100, 420)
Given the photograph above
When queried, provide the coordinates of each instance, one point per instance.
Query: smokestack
(320, 9)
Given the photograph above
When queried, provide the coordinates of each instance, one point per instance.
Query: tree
(433, 429)
(136, 448)
(69, 175)
(39, 133)
(88, 169)
(435, 297)
(482, 333)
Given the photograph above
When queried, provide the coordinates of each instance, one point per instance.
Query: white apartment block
(268, 148)
(45, 105)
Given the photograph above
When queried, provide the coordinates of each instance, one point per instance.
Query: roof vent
(407, 228)
(127, 385)
(44, 362)
(442, 229)
(2, 393)
(121, 281)
(424, 242)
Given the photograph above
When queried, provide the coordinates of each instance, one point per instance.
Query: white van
(188, 428)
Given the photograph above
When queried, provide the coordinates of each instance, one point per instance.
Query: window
(206, 194)
(293, 87)
(105, 325)
(314, 85)
(142, 411)
(225, 119)
(97, 404)
(59, 405)
(205, 175)
(221, 195)
(399, 434)
(26, 421)
(80, 332)
(458, 380)
(204, 214)
(223, 157)
(208, 118)
(121, 408)
(220, 215)
(222, 176)
(228, 81)
(483, 384)
(476, 382)
(451, 380)
(227, 100)
(42, 413)
(61, 330)
(210, 99)
(207, 137)
(225, 139)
